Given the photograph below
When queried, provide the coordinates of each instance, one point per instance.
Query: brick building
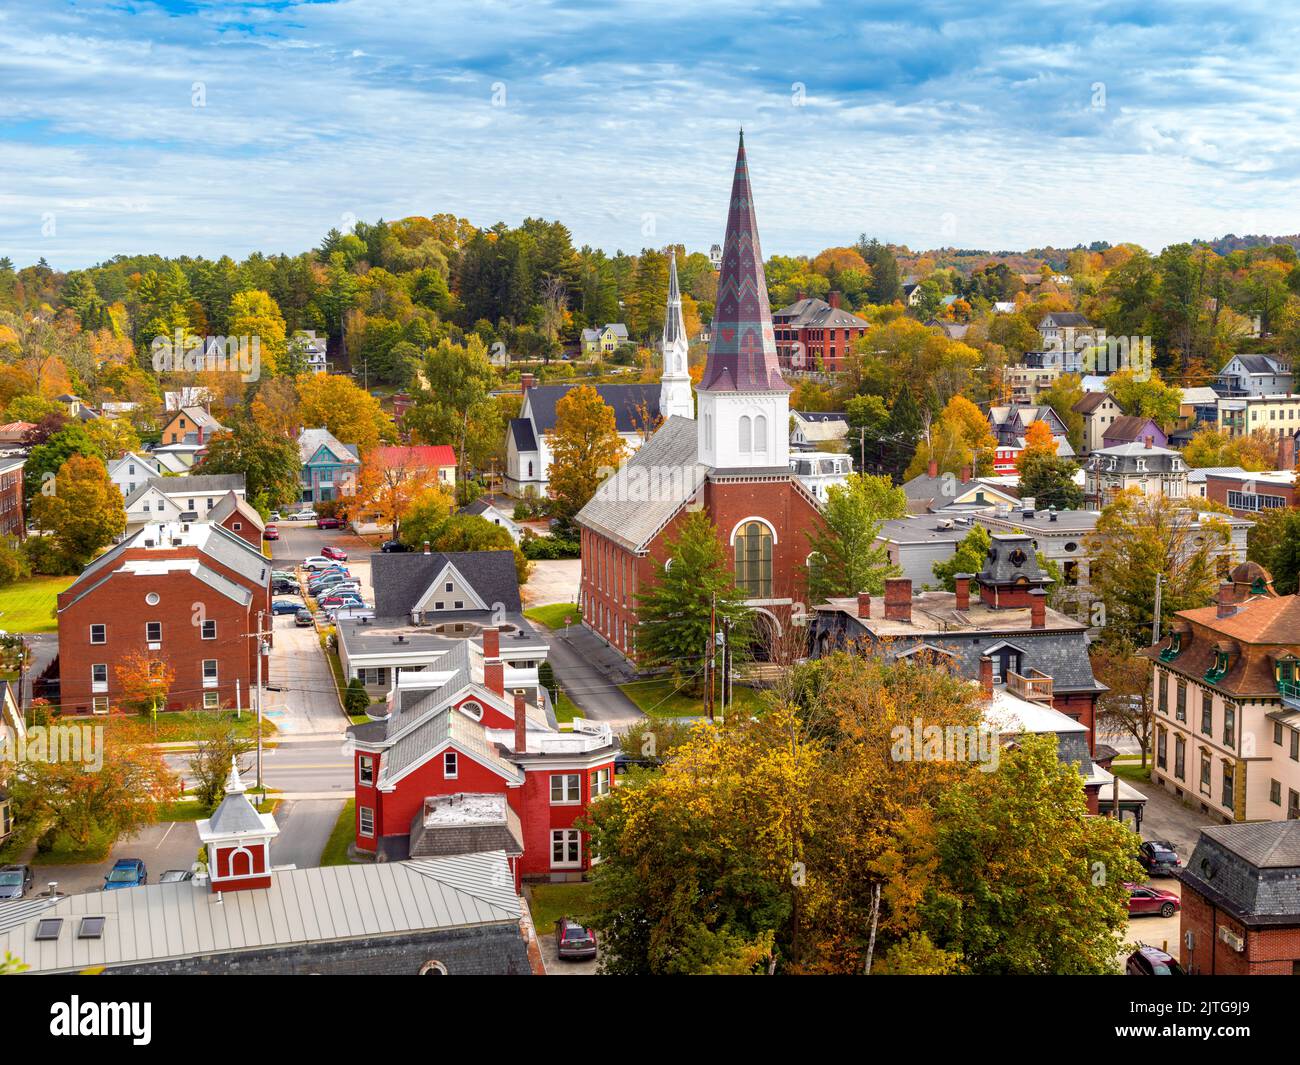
(812, 334)
(732, 461)
(1241, 901)
(1247, 494)
(13, 521)
(186, 594)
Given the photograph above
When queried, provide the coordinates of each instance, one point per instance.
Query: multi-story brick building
(813, 334)
(1241, 901)
(1246, 493)
(1226, 689)
(13, 520)
(188, 595)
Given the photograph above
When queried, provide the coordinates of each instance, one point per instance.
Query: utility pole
(726, 667)
(263, 648)
(711, 650)
(1155, 624)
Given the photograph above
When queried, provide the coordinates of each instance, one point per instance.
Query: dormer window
(1174, 649)
(1219, 669)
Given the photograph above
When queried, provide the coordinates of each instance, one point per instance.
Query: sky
(225, 128)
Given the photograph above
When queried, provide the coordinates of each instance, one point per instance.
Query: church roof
(742, 352)
(674, 325)
(634, 406)
(522, 431)
(649, 488)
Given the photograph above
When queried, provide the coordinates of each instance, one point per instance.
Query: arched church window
(760, 433)
(746, 433)
(530, 469)
(754, 560)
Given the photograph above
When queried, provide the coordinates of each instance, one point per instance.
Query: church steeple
(744, 401)
(675, 385)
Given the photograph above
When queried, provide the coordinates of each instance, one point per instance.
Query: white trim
(433, 589)
(744, 521)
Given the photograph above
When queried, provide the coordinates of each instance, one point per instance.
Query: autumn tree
(391, 480)
(1125, 708)
(218, 746)
(113, 437)
(453, 402)
(846, 559)
(427, 522)
(1038, 441)
(85, 511)
(268, 463)
(145, 681)
(959, 439)
(1215, 447)
(1061, 396)
(1275, 545)
(969, 557)
(353, 415)
(254, 313)
(1145, 395)
(275, 407)
(585, 449)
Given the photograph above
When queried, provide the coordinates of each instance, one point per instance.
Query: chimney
(864, 605)
(1038, 609)
(965, 474)
(491, 643)
(526, 381)
(962, 581)
(494, 676)
(426, 548)
(521, 726)
(1149, 441)
(1286, 453)
(1227, 602)
(986, 676)
(835, 298)
(898, 599)
(933, 469)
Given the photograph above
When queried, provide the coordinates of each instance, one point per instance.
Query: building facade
(813, 334)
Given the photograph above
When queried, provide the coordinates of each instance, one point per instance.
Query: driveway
(591, 690)
(1154, 930)
(555, 967)
(306, 702)
(305, 828)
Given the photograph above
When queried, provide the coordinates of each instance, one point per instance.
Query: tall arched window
(754, 560)
(746, 441)
(760, 433)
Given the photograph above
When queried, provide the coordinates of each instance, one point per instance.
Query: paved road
(591, 691)
(305, 765)
(307, 701)
(305, 828)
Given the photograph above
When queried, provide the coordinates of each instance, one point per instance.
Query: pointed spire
(674, 324)
(234, 785)
(742, 353)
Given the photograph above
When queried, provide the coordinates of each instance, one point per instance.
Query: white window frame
(366, 769)
(450, 765)
(203, 630)
(211, 680)
(566, 838)
(601, 782)
(568, 783)
(148, 627)
(103, 634)
(366, 821)
(97, 685)
(211, 700)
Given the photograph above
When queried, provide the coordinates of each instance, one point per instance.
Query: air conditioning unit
(1228, 936)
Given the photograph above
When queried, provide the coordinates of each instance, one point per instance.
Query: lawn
(553, 615)
(178, 726)
(549, 902)
(189, 809)
(565, 710)
(657, 698)
(28, 606)
(1132, 771)
(345, 830)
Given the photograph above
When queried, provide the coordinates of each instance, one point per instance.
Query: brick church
(731, 458)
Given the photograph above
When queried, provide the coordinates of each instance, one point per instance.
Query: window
(99, 704)
(459, 604)
(98, 634)
(48, 928)
(1180, 710)
(1292, 804)
(760, 433)
(153, 631)
(1207, 713)
(449, 765)
(99, 676)
(565, 788)
(1180, 758)
(1277, 733)
(1162, 743)
(373, 677)
(1229, 725)
(1275, 792)
(1162, 701)
(599, 783)
(209, 630)
(1227, 797)
(366, 769)
(566, 847)
(448, 588)
(211, 701)
(91, 928)
(1205, 773)
(209, 672)
(366, 820)
(236, 526)
(1295, 746)
(746, 440)
(754, 560)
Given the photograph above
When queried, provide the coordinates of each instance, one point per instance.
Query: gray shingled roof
(448, 724)
(632, 405)
(312, 440)
(1251, 870)
(522, 431)
(193, 483)
(649, 488)
(401, 578)
(814, 313)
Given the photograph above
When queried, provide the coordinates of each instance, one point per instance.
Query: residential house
(484, 508)
(1200, 406)
(930, 491)
(813, 334)
(1010, 424)
(1241, 901)
(819, 430)
(454, 751)
(13, 515)
(1133, 429)
(1254, 375)
(1066, 330)
(1100, 412)
(1024, 382)
(915, 543)
(436, 462)
(235, 513)
(952, 330)
(1001, 613)
(188, 396)
(14, 433)
(329, 467)
(186, 593)
(819, 471)
(1278, 415)
(183, 499)
(1226, 691)
(77, 408)
(1153, 470)
(604, 340)
(132, 470)
(449, 914)
(190, 425)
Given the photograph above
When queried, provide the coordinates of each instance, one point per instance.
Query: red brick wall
(1269, 951)
(1217, 489)
(395, 809)
(246, 531)
(11, 505)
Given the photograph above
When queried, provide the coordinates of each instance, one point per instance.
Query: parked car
(334, 578)
(348, 599)
(285, 606)
(175, 876)
(1159, 858)
(349, 613)
(1142, 899)
(271, 533)
(572, 940)
(317, 562)
(126, 872)
(328, 576)
(391, 546)
(275, 516)
(15, 881)
(306, 514)
(303, 618)
(342, 588)
(1150, 961)
(624, 761)
(284, 587)
(328, 523)
(334, 553)
(283, 575)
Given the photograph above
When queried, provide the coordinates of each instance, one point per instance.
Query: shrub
(44, 557)
(356, 700)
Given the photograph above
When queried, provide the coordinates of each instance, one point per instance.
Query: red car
(1142, 899)
(328, 523)
(334, 553)
(271, 532)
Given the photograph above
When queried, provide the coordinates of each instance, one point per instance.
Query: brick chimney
(965, 474)
(986, 676)
(426, 548)
(898, 599)
(521, 726)
(1037, 609)
(491, 643)
(1227, 601)
(864, 605)
(526, 381)
(1149, 441)
(962, 582)
(494, 676)
(1286, 453)
(835, 298)
(933, 468)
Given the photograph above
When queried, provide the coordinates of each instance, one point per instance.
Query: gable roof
(191, 484)
(1260, 364)
(402, 578)
(813, 313)
(232, 504)
(1129, 428)
(1090, 402)
(1066, 319)
(521, 431)
(632, 405)
(421, 456)
(1259, 620)
(311, 441)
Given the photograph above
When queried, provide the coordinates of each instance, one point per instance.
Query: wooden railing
(1036, 687)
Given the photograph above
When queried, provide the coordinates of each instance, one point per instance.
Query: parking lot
(299, 540)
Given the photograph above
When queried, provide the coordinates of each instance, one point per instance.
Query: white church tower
(675, 398)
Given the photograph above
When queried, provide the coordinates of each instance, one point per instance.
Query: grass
(336, 847)
(656, 698)
(179, 726)
(188, 809)
(28, 606)
(565, 710)
(549, 902)
(553, 614)
(1132, 771)
(61, 850)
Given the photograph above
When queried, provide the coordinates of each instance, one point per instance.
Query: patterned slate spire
(742, 353)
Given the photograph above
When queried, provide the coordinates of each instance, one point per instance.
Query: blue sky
(930, 124)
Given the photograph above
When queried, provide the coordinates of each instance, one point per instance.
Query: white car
(306, 514)
(318, 562)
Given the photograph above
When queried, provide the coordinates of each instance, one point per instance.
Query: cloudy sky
(200, 128)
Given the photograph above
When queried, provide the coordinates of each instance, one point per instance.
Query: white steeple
(675, 385)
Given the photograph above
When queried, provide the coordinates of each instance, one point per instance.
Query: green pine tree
(847, 559)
